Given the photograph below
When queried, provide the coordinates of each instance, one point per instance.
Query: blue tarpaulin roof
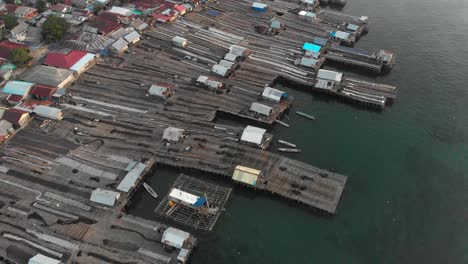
(200, 202)
(213, 12)
(311, 47)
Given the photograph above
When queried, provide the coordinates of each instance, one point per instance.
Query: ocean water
(406, 200)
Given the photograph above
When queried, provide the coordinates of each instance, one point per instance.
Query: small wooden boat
(282, 142)
(305, 115)
(290, 150)
(150, 190)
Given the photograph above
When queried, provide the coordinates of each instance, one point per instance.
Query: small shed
(179, 42)
(133, 37)
(220, 70)
(340, 35)
(261, 109)
(48, 112)
(275, 24)
(41, 259)
(320, 41)
(227, 64)
(246, 175)
(274, 95)
(253, 135)
(6, 128)
(230, 57)
(161, 90)
(259, 7)
(104, 197)
(173, 134)
(120, 45)
(352, 27)
(308, 62)
(175, 237)
(186, 198)
(238, 51)
(327, 79)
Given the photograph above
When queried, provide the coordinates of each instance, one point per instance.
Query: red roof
(43, 90)
(13, 115)
(6, 47)
(107, 27)
(64, 61)
(15, 97)
(161, 18)
(11, 8)
(180, 8)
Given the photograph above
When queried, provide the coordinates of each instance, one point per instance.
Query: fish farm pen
(66, 180)
(202, 216)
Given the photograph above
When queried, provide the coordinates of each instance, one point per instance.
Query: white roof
(174, 237)
(261, 108)
(157, 90)
(259, 5)
(82, 62)
(131, 177)
(41, 259)
(220, 70)
(48, 112)
(131, 37)
(226, 64)
(202, 79)
(172, 133)
(330, 75)
(307, 14)
(308, 62)
(105, 197)
(237, 50)
(180, 40)
(253, 134)
(120, 44)
(230, 57)
(121, 11)
(272, 94)
(183, 196)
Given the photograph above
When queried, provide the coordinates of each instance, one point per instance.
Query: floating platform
(203, 218)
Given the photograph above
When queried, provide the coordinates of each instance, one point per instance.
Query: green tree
(54, 29)
(19, 57)
(41, 6)
(10, 21)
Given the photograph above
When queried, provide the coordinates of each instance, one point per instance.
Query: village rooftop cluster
(95, 95)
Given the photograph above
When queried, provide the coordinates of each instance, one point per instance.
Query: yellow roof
(248, 170)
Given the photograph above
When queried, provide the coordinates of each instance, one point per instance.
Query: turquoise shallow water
(407, 192)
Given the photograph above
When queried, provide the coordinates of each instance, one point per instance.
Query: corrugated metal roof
(131, 178)
(275, 24)
(320, 41)
(120, 44)
(341, 35)
(352, 27)
(253, 134)
(308, 62)
(105, 197)
(261, 109)
(230, 57)
(174, 237)
(272, 94)
(259, 5)
(246, 175)
(220, 70)
(330, 75)
(237, 50)
(17, 87)
(307, 14)
(226, 64)
(48, 112)
(41, 259)
(132, 37)
(121, 11)
(82, 62)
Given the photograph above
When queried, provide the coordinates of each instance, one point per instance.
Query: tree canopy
(10, 21)
(41, 6)
(54, 29)
(19, 57)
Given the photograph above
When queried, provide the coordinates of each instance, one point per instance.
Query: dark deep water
(406, 199)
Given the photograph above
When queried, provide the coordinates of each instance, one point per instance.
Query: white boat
(289, 150)
(282, 142)
(150, 190)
